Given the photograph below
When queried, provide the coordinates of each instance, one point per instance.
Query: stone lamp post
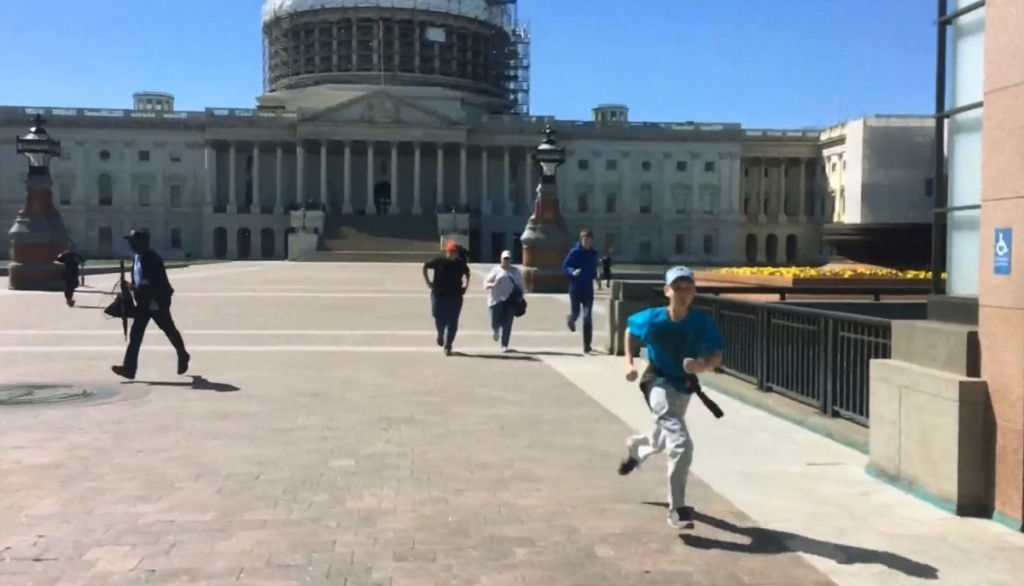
(546, 239)
(38, 234)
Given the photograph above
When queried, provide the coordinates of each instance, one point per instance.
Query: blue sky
(763, 63)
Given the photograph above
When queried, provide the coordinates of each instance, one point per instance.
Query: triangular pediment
(380, 108)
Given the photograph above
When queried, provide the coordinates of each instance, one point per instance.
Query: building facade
(423, 101)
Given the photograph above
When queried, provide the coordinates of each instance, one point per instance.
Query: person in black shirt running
(71, 261)
(451, 279)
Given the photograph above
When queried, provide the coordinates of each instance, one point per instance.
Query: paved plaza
(323, 438)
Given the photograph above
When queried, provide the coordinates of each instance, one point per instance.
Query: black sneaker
(628, 465)
(121, 372)
(571, 323)
(183, 363)
(588, 350)
(681, 518)
(440, 340)
(447, 351)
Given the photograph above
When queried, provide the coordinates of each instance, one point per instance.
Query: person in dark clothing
(580, 266)
(152, 291)
(606, 271)
(72, 261)
(447, 288)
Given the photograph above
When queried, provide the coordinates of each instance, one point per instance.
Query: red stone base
(34, 277)
(545, 280)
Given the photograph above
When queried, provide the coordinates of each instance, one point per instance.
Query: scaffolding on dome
(281, 39)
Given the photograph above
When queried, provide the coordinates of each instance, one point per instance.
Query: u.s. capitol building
(423, 103)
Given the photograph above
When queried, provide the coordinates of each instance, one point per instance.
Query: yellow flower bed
(828, 272)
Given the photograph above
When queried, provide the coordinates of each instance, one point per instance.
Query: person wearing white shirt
(505, 284)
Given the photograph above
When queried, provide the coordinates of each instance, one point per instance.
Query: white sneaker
(504, 349)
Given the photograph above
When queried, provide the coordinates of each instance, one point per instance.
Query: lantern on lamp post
(38, 234)
(546, 239)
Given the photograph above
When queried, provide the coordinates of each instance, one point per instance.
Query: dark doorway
(220, 242)
(285, 243)
(382, 197)
(792, 249)
(750, 249)
(771, 249)
(474, 245)
(517, 251)
(497, 245)
(243, 241)
(267, 244)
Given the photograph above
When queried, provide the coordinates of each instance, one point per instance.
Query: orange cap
(451, 246)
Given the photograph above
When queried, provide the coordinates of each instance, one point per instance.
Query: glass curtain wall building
(959, 95)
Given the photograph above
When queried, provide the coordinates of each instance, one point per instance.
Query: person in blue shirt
(681, 343)
(580, 266)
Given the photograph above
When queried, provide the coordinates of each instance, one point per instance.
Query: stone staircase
(393, 238)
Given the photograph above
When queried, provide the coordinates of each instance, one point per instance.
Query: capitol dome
(487, 10)
(471, 46)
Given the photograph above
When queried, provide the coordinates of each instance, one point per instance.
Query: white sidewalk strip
(376, 333)
(195, 349)
(791, 480)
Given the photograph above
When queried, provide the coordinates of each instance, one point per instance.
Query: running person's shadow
(198, 383)
(761, 541)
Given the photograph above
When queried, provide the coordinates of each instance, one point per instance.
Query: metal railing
(819, 358)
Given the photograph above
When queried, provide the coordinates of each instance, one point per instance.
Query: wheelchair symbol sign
(1002, 251)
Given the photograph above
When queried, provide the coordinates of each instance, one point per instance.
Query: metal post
(939, 217)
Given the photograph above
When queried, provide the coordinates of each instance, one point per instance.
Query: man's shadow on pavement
(529, 355)
(198, 383)
(763, 541)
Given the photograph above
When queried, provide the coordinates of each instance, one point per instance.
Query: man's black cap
(137, 236)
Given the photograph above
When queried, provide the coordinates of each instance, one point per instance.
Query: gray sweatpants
(670, 436)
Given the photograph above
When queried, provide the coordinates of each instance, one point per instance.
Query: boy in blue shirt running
(680, 345)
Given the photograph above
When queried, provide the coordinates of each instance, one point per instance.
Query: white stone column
(440, 175)
(782, 189)
(254, 208)
(279, 181)
(463, 194)
(693, 206)
(346, 207)
(802, 200)
(323, 172)
(232, 179)
(506, 192)
(395, 205)
(527, 181)
(82, 185)
(210, 160)
(370, 172)
(300, 173)
(417, 174)
(762, 170)
(485, 196)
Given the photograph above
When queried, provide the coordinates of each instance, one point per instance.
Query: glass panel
(968, 57)
(963, 253)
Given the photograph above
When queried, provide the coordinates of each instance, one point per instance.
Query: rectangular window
(645, 249)
(646, 198)
(611, 165)
(680, 243)
(144, 156)
(709, 166)
(145, 195)
(681, 166)
(709, 244)
(175, 238)
(175, 157)
(610, 203)
(929, 187)
(175, 196)
(582, 164)
(583, 202)
(66, 189)
(105, 241)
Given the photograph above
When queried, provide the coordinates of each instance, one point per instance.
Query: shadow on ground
(516, 355)
(761, 541)
(198, 383)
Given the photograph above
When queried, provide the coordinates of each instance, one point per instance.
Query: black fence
(817, 357)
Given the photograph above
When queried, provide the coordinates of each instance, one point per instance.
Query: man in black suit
(153, 293)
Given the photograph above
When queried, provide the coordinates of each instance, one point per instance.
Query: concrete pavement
(324, 439)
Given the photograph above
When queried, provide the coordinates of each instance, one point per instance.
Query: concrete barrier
(627, 298)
